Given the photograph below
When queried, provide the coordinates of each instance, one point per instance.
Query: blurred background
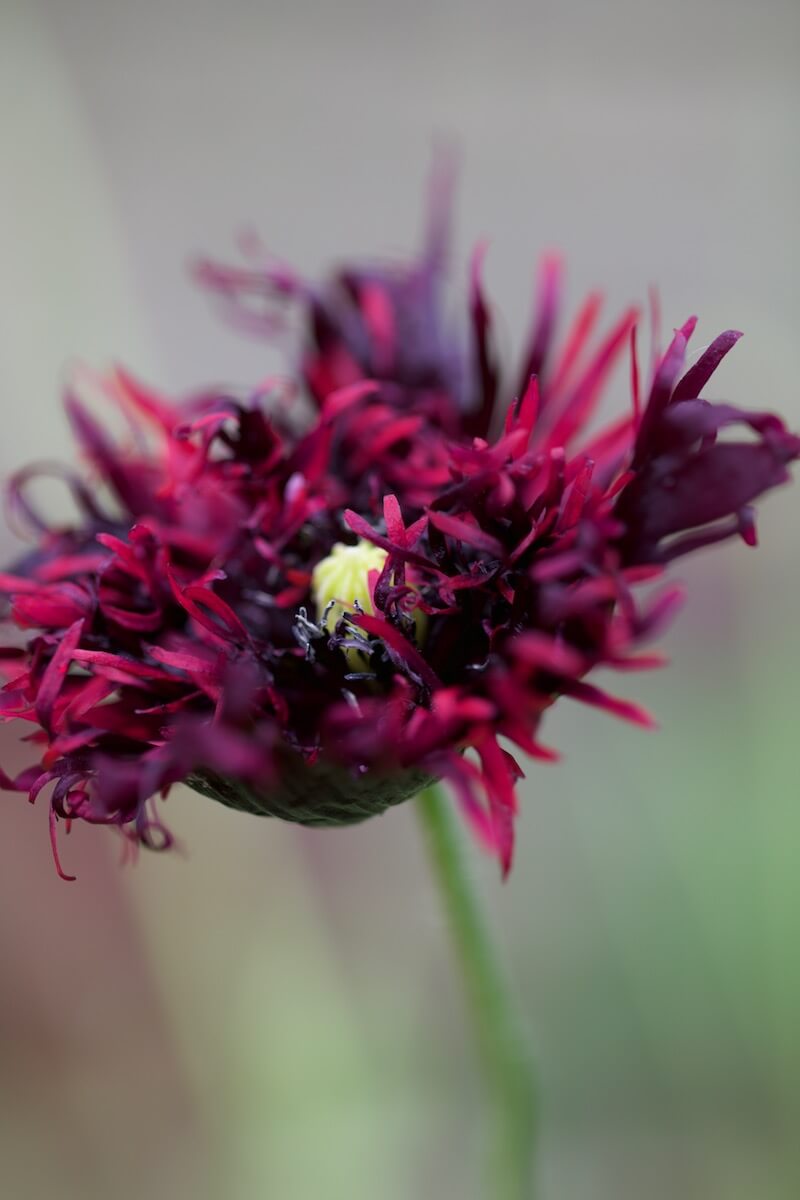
(275, 1013)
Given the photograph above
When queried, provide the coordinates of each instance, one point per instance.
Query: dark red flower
(180, 631)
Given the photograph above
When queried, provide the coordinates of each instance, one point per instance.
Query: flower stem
(503, 1046)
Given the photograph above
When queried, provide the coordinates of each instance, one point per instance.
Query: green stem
(503, 1046)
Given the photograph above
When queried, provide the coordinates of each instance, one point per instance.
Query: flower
(312, 622)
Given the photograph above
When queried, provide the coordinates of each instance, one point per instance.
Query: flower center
(342, 580)
(346, 578)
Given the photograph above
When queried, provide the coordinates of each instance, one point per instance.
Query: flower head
(313, 622)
